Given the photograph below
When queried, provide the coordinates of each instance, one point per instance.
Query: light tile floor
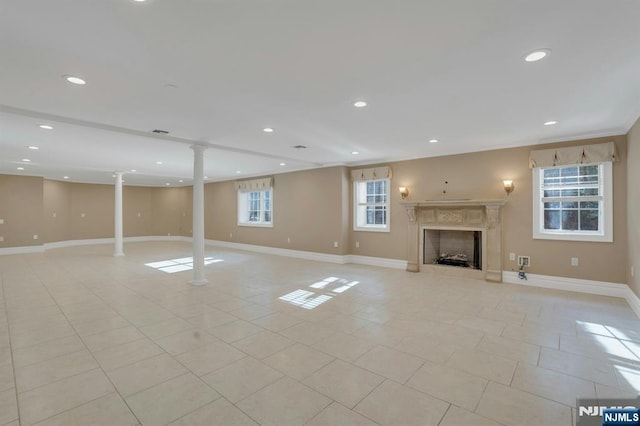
(87, 338)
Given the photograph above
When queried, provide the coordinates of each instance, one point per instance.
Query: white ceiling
(451, 70)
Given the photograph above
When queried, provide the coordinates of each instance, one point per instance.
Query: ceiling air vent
(160, 132)
(300, 147)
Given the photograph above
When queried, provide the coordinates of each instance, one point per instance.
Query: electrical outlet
(230, 234)
(139, 214)
(335, 244)
(524, 261)
(357, 244)
(81, 214)
(55, 214)
(1, 221)
(288, 240)
(575, 261)
(2, 239)
(632, 271)
(35, 236)
(168, 234)
(512, 256)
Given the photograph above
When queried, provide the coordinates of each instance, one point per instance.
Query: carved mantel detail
(411, 213)
(453, 214)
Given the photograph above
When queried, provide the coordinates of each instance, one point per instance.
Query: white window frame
(605, 225)
(243, 208)
(358, 203)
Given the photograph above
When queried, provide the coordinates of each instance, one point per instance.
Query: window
(573, 202)
(255, 208)
(371, 205)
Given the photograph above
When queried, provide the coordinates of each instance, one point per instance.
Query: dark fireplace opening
(452, 248)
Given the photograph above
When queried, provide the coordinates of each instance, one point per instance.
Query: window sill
(256, 225)
(573, 237)
(365, 229)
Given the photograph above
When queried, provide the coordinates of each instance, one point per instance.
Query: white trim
(309, 255)
(88, 242)
(376, 261)
(601, 288)
(634, 301)
(21, 250)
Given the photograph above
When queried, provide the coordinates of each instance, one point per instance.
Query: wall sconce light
(404, 192)
(508, 186)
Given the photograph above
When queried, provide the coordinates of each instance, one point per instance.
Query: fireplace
(452, 247)
(456, 237)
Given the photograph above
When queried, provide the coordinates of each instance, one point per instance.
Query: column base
(118, 254)
(199, 282)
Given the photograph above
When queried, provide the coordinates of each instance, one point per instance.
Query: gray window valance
(586, 154)
(371, 174)
(254, 184)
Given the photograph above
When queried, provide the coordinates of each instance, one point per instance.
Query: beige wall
(91, 211)
(146, 211)
(166, 204)
(480, 175)
(633, 208)
(21, 210)
(57, 211)
(137, 211)
(309, 210)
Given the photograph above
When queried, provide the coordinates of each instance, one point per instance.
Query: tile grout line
(13, 366)
(90, 353)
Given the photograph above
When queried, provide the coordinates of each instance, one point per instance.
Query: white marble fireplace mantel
(483, 214)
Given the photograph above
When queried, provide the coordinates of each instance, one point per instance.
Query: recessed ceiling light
(283, 164)
(238, 171)
(159, 163)
(26, 160)
(133, 170)
(65, 177)
(206, 177)
(433, 140)
(267, 130)
(355, 152)
(20, 168)
(75, 80)
(34, 147)
(46, 127)
(180, 181)
(359, 104)
(550, 123)
(536, 55)
(167, 184)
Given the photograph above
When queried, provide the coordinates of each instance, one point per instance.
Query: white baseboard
(634, 301)
(601, 288)
(88, 242)
(299, 254)
(377, 261)
(310, 255)
(21, 250)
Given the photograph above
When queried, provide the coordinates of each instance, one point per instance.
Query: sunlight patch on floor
(309, 300)
(178, 265)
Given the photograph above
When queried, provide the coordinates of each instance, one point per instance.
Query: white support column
(198, 216)
(119, 251)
